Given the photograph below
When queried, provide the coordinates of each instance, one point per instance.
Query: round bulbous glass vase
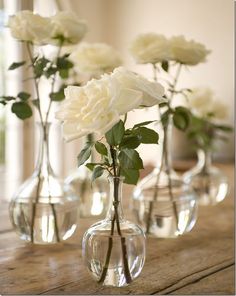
(162, 213)
(163, 205)
(93, 197)
(44, 210)
(114, 248)
(209, 182)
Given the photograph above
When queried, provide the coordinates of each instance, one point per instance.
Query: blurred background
(118, 22)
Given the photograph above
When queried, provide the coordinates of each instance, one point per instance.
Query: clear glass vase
(44, 210)
(210, 183)
(114, 248)
(165, 206)
(93, 197)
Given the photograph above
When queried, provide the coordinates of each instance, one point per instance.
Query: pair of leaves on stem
(122, 144)
(203, 132)
(41, 66)
(44, 67)
(20, 106)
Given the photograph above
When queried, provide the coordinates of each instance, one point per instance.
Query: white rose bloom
(27, 26)
(201, 101)
(187, 52)
(220, 111)
(95, 58)
(205, 105)
(150, 48)
(97, 106)
(152, 91)
(69, 26)
(87, 109)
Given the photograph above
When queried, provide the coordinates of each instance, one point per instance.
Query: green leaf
(131, 176)
(14, 66)
(165, 118)
(22, 110)
(130, 159)
(24, 96)
(35, 102)
(115, 135)
(224, 128)
(180, 121)
(91, 165)
(64, 73)
(131, 142)
(84, 154)
(58, 96)
(39, 66)
(97, 172)
(165, 65)
(163, 104)
(8, 98)
(181, 118)
(143, 123)
(64, 63)
(50, 71)
(147, 135)
(101, 148)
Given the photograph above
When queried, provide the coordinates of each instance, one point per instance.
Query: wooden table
(200, 262)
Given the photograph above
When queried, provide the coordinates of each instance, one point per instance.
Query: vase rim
(110, 177)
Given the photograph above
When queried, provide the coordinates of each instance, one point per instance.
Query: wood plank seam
(195, 277)
(199, 275)
(6, 231)
(58, 287)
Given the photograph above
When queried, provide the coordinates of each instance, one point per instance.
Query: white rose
(95, 58)
(150, 48)
(204, 104)
(220, 111)
(68, 26)
(91, 109)
(97, 106)
(152, 92)
(201, 101)
(26, 26)
(187, 52)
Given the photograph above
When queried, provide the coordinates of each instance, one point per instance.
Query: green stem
(56, 229)
(116, 219)
(125, 118)
(108, 256)
(34, 206)
(53, 85)
(45, 138)
(154, 68)
(151, 204)
(176, 78)
(36, 83)
(164, 157)
(168, 171)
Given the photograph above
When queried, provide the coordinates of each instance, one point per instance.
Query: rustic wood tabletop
(200, 262)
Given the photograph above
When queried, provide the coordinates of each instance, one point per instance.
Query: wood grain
(200, 262)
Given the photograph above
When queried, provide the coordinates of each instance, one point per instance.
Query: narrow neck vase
(114, 248)
(44, 210)
(209, 182)
(163, 204)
